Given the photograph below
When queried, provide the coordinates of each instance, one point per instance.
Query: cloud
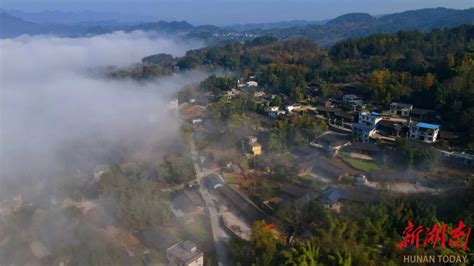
(56, 117)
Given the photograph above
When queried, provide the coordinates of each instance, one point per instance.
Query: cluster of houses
(401, 120)
(242, 85)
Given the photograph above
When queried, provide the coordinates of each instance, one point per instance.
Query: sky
(227, 12)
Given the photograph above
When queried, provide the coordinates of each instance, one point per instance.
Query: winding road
(219, 234)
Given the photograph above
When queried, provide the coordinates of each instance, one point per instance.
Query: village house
(327, 112)
(274, 112)
(251, 146)
(342, 117)
(250, 84)
(185, 253)
(349, 98)
(400, 109)
(425, 115)
(188, 201)
(362, 132)
(366, 128)
(230, 93)
(353, 102)
(332, 197)
(330, 143)
(369, 119)
(293, 107)
(424, 132)
(392, 129)
(213, 182)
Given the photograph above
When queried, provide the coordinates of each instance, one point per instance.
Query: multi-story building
(401, 109)
(369, 119)
(362, 132)
(424, 132)
(366, 126)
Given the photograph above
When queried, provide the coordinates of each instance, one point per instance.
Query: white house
(424, 132)
(185, 253)
(369, 119)
(251, 84)
(274, 112)
(231, 93)
(293, 107)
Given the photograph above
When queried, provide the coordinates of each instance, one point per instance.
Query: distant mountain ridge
(86, 17)
(352, 18)
(10, 26)
(362, 24)
(274, 25)
(337, 29)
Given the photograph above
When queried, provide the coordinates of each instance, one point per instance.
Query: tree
(137, 203)
(264, 243)
(277, 101)
(304, 254)
(177, 168)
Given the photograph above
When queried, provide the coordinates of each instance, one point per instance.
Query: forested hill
(325, 33)
(361, 24)
(430, 70)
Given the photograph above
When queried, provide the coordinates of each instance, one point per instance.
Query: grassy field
(232, 179)
(363, 165)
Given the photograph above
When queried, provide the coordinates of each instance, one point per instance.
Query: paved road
(219, 234)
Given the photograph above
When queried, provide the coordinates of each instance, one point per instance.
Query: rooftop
(390, 124)
(213, 181)
(185, 251)
(350, 96)
(426, 125)
(344, 115)
(333, 194)
(362, 127)
(401, 105)
(187, 200)
(420, 111)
